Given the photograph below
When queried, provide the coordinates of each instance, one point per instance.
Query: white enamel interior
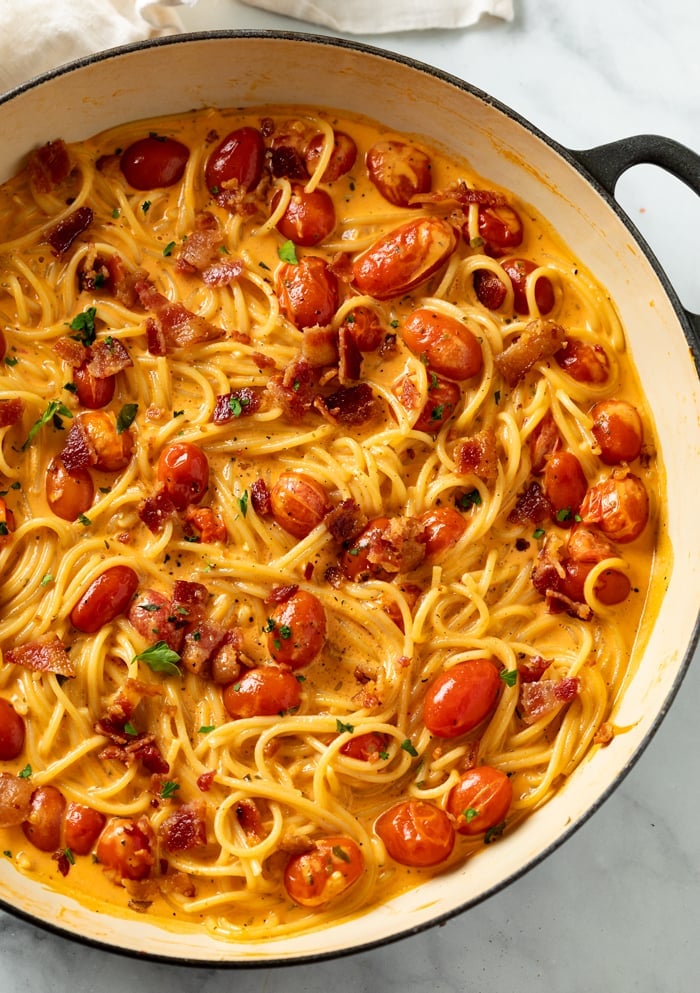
(238, 70)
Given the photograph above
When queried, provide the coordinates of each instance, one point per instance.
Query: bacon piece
(204, 782)
(11, 411)
(280, 594)
(77, 453)
(202, 243)
(155, 338)
(71, 351)
(222, 273)
(532, 668)
(143, 749)
(62, 235)
(237, 403)
(540, 340)
(346, 522)
(543, 442)
(186, 828)
(350, 356)
(179, 326)
(151, 614)
(477, 455)
(532, 506)
(207, 522)
(557, 602)
(121, 709)
(463, 195)
(48, 166)
(294, 390)
(199, 646)
(260, 497)
(349, 406)
(605, 734)
(155, 511)
(399, 547)
(228, 659)
(248, 816)
(15, 799)
(540, 698)
(108, 357)
(46, 654)
(319, 346)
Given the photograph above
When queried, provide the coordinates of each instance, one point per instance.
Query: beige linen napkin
(381, 16)
(38, 35)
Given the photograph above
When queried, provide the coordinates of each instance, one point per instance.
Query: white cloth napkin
(381, 16)
(38, 35)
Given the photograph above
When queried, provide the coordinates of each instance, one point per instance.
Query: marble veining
(617, 907)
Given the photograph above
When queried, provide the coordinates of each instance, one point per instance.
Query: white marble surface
(617, 908)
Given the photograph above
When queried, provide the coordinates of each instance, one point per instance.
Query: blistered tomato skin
(444, 526)
(365, 747)
(44, 822)
(443, 399)
(405, 258)
(565, 485)
(106, 598)
(299, 503)
(124, 849)
(112, 449)
(309, 217)
(355, 561)
(92, 392)
(342, 157)
(399, 171)
(619, 506)
(445, 344)
(416, 833)
(68, 494)
(461, 697)
(518, 270)
(154, 162)
(307, 292)
(262, 692)
(480, 800)
(297, 630)
(327, 870)
(82, 827)
(237, 161)
(501, 228)
(12, 731)
(584, 362)
(183, 472)
(617, 428)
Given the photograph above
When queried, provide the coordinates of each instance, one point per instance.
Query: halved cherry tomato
(92, 392)
(12, 731)
(611, 587)
(298, 503)
(297, 630)
(501, 228)
(518, 270)
(125, 848)
(68, 494)
(416, 833)
(447, 346)
(461, 697)
(307, 292)
(365, 328)
(404, 258)
(399, 171)
(444, 526)
(313, 878)
(565, 485)
(183, 472)
(342, 157)
(262, 692)
(480, 800)
(3, 346)
(112, 448)
(584, 362)
(355, 561)
(152, 162)
(443, 399)
(82, 827)
(106, 597)
(619, 506)
(309, 217)
(44, 821)
(617, 427)
(151, 614)
(365, 747)
(237, 161)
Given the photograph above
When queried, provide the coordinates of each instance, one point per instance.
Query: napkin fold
(38, 35)
(382, 16)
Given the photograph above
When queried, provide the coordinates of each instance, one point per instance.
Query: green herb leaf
(470, 813)
(169, 789)
(160, 658)
(437, 412)
(84, 520)
(48, 578)
(3, 529)
(71, 387)
(509, 676)
(340, 853)
(70, 857)
(11, 360)
(130, 729)
(287, 252)
(168, 250)
(564, 514)
(125, 417)
(468, 500)
(146, 206)
(26, 772)
(84, 324)
(54, 408)
(538, 533)
(494, 832)
(243, 503)
(269, 625)
(341, 727)
(285, 631)
(116, 213)
(206, 728)
(407, 746)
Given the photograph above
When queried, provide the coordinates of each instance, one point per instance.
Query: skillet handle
(606, 163)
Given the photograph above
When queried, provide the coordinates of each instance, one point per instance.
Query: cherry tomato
(298, 503)
(11, 731)
(584, 362)
(307, 292)
(3, 346)
(152, 162)
(480, 800)
(313, 878)
(617, 427)
(565, 485)
(342, 157)
(355, 561)
(543, 442)
(489, 288)
(183, 472)
(611, 587)
(44, 821)
(106, 597)
(399, 171)
(518, 270)
(262, 692)
(112, 448)
(151, 614)
(365, 328)
(619, 506)
(125, 847)
(444, 526)
(68, 494)
(82, 827)
(365, 747)
(297, 630)
(236, 162)
(443, 399)
(405, 258)
(92, 392)
(447, 346)
(309, 217)
(501, 228)
(416, 833)
(461, 697)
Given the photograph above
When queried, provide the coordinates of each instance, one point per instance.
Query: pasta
(330, 519)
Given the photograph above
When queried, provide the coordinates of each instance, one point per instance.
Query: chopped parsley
(48, 578)
(509, 676)
(243, 503)
(130, 729)
(84, 324)
(169, 789)
(407, 746)
(538, 533)
(146, 206)
(160, 658)
(207, 728)
(468, 500)
(125, 417)
(168, 250)
(84, 520)
(341, 727)
(55, 410)
(470, 813)
(287, 252)
(26, 772)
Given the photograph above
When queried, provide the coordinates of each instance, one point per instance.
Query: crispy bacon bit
(349, 406)
(186, 828)
(155, 338)
(71, 351)
(287, 161)
(228, 660)
(460, 193)
(155, 511)
(248, 816)
(346, 522)
(46, 654)
(178, 882)
(293, 391)
(180, 326)
(557, 602)
(263, 361)
(532, 506)
(350, 356)
(399, 547)
(152, 616)
(537, 699)
(280, 594)
(605, 734)
(543, 442)
(108, 357)
(223, 272)
(334, 576)
(77, 453)
(15, 799)
(62, 235)
(48, 166)
(260, 497)
(532, 668)
(477, 456)
(237, 403)
(540, 340)
(319, 346)
(205, 781)
(62, 861)
(122, 707)
(11, 411)
(207, 522)
(202, 244)
(192, 596)
(141, 748)
(199, 645)
(388, 346)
